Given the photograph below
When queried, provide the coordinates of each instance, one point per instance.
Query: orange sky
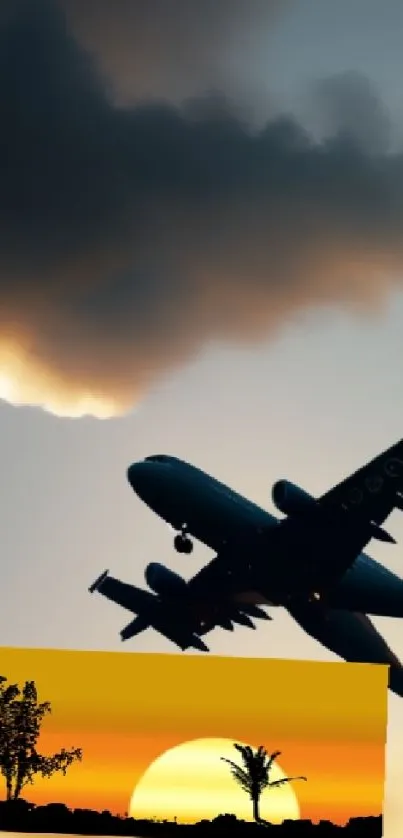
(124, 710)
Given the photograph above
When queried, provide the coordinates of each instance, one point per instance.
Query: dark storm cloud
(129, 237)
(348, 102)
(173, 48)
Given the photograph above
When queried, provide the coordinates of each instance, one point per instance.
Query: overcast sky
(210, 275)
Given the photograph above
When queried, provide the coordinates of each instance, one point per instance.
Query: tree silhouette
(254, 776)
(21, 717)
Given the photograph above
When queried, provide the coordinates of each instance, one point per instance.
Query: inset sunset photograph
(120, 743)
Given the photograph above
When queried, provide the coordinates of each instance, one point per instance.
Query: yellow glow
(24, 381)
(190, 782)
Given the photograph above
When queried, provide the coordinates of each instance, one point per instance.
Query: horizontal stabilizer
(95, 585)
(135, 627)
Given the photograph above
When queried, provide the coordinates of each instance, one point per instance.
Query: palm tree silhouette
(254, 776)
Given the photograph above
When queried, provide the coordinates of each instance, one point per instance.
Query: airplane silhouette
(311, 561)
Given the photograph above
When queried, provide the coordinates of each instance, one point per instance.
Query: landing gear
(182, 542)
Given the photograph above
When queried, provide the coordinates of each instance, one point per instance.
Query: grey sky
(319, 38)
(314, 403)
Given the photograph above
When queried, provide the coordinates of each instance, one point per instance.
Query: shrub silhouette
(254, 776)
(21, 718)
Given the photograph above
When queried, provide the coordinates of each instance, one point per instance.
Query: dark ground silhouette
(21, 816)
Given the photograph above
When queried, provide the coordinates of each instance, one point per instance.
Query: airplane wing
(310, 553)
(165, 618)
(344, 520)
(227, 614)
(351, 636)
(127, 596)
(373, 491)
(217, 599)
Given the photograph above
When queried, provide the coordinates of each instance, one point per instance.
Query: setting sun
(190, 782)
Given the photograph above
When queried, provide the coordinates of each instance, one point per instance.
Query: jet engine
(290, 499)
(163, 581)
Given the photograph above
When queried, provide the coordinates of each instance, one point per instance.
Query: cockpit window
(157, 458)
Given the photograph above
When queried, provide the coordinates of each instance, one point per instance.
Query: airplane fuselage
(222, 519)
(181, 493)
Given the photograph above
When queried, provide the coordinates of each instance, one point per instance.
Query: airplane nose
(138, 475)
(148, 480)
